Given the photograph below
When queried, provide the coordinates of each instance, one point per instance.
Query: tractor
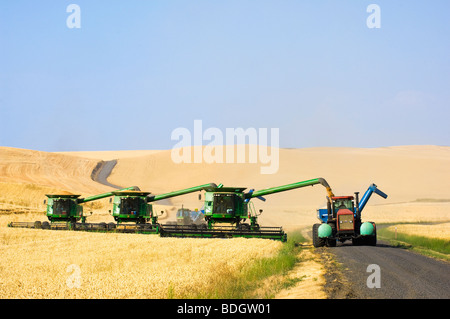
(185, 216)
(341, 221)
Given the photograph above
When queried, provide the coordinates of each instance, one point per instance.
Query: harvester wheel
(37, 225)
(45, 225)
(317, 242)
(244, 227)
(255, 227)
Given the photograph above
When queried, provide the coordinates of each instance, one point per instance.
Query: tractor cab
(184, 216)
(342, 202)
(344, 213)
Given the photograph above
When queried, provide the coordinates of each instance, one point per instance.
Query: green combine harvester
(227, 209)
(129, 205)
(64, 211)
(134, 207)
(228, 212)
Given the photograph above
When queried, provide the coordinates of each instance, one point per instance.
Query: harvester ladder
(251, 209)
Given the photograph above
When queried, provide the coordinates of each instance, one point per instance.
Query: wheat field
(438, 231)
(65, 264)
(68, 264)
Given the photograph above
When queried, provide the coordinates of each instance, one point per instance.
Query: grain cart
(134, 207)
(341, 220)
(228, 208)
(65, 210)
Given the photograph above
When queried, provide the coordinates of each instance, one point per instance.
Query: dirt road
(102, 171)
(402, 274)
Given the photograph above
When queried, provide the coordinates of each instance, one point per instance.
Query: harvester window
(224, 204)
(130, 205)
(62, 207)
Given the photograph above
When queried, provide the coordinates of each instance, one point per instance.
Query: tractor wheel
(317, 242)
(357, 241)
(331, 242)
(372, 240)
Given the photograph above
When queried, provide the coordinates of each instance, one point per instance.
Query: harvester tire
(244, 227)
(37, 225)
(317, 242)
(255, 227)
(45, 225)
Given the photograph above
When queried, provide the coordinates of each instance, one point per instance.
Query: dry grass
(57, 171)
(36, 263)
(412, 212)
(429, 239)
(438, 231)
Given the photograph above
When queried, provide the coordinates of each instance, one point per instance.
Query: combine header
(232, 206)
(341, 220)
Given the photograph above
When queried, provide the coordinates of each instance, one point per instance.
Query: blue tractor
(341, 220)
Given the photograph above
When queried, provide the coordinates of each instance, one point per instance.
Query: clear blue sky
(136, 70)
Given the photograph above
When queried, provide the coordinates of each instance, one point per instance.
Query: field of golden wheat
(438, 231)
(66, 264)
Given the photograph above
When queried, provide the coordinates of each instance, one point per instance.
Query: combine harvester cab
(227, 209)
(64, 211)
(134, 207)
(341, 220)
